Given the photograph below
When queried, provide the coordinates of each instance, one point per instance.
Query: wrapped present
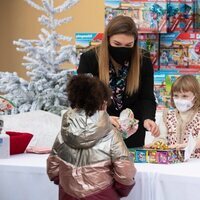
(128, 124)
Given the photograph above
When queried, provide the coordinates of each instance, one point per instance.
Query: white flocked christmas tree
(46, 88)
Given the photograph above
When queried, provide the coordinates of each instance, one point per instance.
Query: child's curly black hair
(87, 93)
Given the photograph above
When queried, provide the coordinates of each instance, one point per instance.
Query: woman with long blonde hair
(128, 71)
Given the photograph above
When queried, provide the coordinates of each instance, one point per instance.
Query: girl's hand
(177, 146)
(115, 121)
(151, 126)
(181, 146)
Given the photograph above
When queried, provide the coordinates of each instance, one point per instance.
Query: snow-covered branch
(46, 88)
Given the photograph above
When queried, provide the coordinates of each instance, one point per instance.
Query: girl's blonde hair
(187, 83)
(120, 25)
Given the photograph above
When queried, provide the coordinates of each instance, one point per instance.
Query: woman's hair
(187, 83)
(120, 25)
(87, 93)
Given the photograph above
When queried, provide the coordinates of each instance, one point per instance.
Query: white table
(23, 177)
(179, 181)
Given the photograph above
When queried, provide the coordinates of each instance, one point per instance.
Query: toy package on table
(159, 153)
(128, 124)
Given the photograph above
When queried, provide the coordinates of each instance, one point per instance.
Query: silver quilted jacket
(89, 155)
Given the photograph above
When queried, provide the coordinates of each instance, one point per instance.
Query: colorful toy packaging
(180, 50)
(196, 6)
(87, 41)
(159, 153)
(149, 15)
(150, 42)
(128, 124)
(180, 15)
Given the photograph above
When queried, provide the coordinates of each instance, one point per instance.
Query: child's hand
(151, 126)
(177, 146)
(115, 121)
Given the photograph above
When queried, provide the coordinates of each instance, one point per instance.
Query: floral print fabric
(118, 85)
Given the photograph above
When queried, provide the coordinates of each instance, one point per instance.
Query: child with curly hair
(89, 159)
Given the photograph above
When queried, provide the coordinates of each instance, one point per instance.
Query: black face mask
(120, 54)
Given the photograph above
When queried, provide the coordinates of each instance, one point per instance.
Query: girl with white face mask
(183, 101)
(184, 120)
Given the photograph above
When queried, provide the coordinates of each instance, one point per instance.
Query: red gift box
(18, 141)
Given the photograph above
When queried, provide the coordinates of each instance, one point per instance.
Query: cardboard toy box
(86, 41)
(141, 155)
(181, 15)
(180, 51)
(150, 16)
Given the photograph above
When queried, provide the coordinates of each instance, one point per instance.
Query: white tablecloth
(179, 181)
(23, 177)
